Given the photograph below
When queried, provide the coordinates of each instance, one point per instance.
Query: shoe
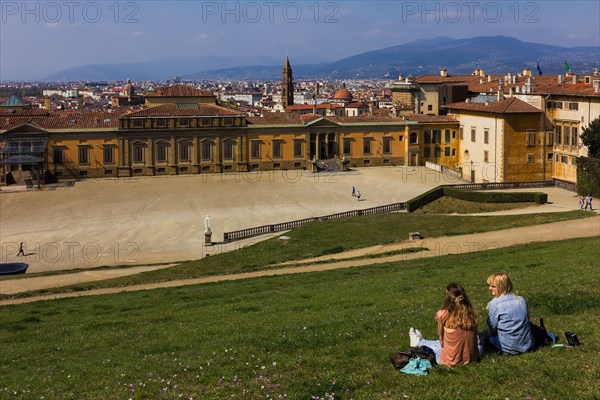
(415, 336)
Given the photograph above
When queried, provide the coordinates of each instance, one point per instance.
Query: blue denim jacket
(509, 322)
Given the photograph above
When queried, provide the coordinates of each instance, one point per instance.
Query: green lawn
(320, 238)
(451, 205)
(314, 335)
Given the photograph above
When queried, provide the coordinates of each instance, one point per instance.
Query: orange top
(458, 346)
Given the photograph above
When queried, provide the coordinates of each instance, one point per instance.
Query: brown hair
(461, 313)
(502, 283)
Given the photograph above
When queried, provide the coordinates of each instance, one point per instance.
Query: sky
(38, 38)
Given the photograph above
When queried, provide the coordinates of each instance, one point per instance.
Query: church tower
(287, 85)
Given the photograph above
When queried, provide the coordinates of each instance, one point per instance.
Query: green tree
(591, 138)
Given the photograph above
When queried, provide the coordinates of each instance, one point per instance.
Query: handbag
(401, 359)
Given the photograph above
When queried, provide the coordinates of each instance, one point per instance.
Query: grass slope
(317, 335)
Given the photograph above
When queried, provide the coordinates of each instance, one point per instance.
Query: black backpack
(402, 358)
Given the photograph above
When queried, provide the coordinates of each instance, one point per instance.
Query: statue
(207, 224)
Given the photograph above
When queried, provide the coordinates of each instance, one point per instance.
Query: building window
(138, 123)
(473, 135)
(184, 122)
(436, 136)
(530, 158)
(228, 150)
(574, 160)
(530, 138)
(427, 152)
(228, 121)
(558, 134)
(429, 107)
(84, 155)
(413, 138)
(58, 155)
(447, 151)
(277, 148)
(573, 106)
(461, 133)
(564, 159)
(206, 152)
(387, 145)
(205, 121)
(367, 145)
(447, 135)
(427, 137)
(255, 149)
(486, 156)
(566, 135)
(184, 152)
(161, 123)
(298, 147)
(453, 152)
(437, 151)
(550, 156)
(347, 146)
(107, 153)
(549, 138)
(486, 136)
(138, 153)
(574, 136)
(161, 152)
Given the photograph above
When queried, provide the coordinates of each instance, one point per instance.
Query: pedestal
(207, 238)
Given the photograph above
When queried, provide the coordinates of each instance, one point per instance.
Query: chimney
(596, 72)
(489, 78)
(482, 72)
(561, 79)
(526, 72)
(511, 91)
(596, 84)
(47, 103)
(400, 78)
(574, 79)
(500, 95)
(443, 72)
(80, 103)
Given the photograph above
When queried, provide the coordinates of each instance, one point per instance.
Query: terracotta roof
(356, 104)
(441, 79)
(342, 94)
(172, 110)
(297, 107)
(276, 119)
(507, 106)
(179, 91)
(579, 89)
(7, 112)
(424, 119)
(64, 120)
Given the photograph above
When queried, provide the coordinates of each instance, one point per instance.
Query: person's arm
(441, 316)
(492, 321)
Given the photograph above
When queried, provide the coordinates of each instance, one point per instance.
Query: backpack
(402, 358)
(540, 334)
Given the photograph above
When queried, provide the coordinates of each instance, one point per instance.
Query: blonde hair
(502, 283)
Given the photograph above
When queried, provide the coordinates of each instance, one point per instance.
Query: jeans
(433, 345)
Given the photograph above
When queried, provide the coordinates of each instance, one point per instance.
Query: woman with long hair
(457, 330)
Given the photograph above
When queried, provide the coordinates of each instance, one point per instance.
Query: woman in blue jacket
(508, 319)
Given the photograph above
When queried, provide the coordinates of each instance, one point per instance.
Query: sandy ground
(159, 228)
(138, 221)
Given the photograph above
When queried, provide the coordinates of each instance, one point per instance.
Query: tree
(590, 137)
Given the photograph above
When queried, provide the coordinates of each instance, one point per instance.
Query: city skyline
(41, 38)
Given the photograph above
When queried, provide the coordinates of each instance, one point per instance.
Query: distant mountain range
(496, 54)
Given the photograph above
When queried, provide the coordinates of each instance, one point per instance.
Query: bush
(478, 197)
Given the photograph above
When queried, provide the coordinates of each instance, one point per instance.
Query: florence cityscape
(265, 199)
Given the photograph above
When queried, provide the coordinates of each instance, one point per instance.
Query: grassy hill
(319, 335)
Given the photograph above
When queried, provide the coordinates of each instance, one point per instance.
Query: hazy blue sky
(38, 38)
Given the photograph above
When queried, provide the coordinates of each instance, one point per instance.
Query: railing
(285, 226)
(503, 185)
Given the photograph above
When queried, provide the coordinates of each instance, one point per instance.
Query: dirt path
(587, 227)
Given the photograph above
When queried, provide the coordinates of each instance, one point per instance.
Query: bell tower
(287, 84)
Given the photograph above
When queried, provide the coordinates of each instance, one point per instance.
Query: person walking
(358, 195)
(588, 202)
(21, 250)
(581, 202)
(354, 192)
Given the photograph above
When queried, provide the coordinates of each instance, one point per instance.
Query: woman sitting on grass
(508, 319)
(457, 330)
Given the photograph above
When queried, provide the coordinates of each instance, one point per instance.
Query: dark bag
(540, 334)
(402, 358)
(572, 339)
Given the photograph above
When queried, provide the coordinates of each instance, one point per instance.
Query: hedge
(479, 197)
